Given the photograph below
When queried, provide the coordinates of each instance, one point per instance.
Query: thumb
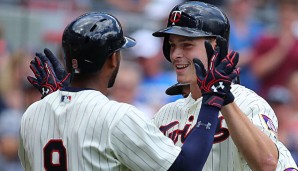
(200, 70)
(33, 82)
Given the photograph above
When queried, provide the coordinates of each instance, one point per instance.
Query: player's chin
(182, 75)
(182, 78)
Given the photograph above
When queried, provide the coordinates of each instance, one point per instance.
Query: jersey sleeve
(257, 110)
(263, 117)
(23, 155)
(285, 159)
(140, 145)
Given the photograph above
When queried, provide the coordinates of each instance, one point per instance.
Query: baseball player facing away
(79, 128)
(246, 133)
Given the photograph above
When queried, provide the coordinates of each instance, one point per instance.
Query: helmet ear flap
(166, 48)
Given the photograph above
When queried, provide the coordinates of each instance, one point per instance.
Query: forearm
(198, 144)
(257, 148)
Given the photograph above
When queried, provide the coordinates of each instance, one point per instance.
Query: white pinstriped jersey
(176, 119)
(85, 130)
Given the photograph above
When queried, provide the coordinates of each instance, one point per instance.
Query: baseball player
(246, 135)
(79, 128)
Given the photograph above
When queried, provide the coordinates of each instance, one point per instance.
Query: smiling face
(183, 50)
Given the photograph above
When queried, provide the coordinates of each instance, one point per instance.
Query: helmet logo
(175, 17)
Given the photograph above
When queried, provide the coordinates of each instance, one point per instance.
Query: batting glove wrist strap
(229, 98)
(213, 100)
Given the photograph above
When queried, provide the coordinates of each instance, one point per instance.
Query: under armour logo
(175, 17)
(45, 91)
(219, 86)
(202, 124)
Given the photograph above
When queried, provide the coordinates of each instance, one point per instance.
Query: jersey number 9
(54, 156)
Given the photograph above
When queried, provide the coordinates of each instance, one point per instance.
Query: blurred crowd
(264, 32)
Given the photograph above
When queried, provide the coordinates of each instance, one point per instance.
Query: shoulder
(33, 107)
(256, 109)
(175, 104)
(123, 111)
(245, 94)
(167, 109)
(31, 112)
(247, 99)
(179, 106)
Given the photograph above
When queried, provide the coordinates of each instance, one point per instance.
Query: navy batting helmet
(194, 19)
(90, 39)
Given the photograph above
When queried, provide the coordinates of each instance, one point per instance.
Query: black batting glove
(221, 49)
(215, 82)
(50, 74)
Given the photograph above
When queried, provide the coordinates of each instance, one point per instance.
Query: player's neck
(195, 91)
(96, 84)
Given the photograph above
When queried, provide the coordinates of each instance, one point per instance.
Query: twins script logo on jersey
(221, 133)
(175, 17)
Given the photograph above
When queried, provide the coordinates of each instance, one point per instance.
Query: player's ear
(114, 59)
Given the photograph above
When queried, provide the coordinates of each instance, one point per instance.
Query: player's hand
(222, 48)
(215, 82)
(50, 74)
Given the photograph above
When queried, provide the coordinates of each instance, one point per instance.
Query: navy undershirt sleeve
(198, 144)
